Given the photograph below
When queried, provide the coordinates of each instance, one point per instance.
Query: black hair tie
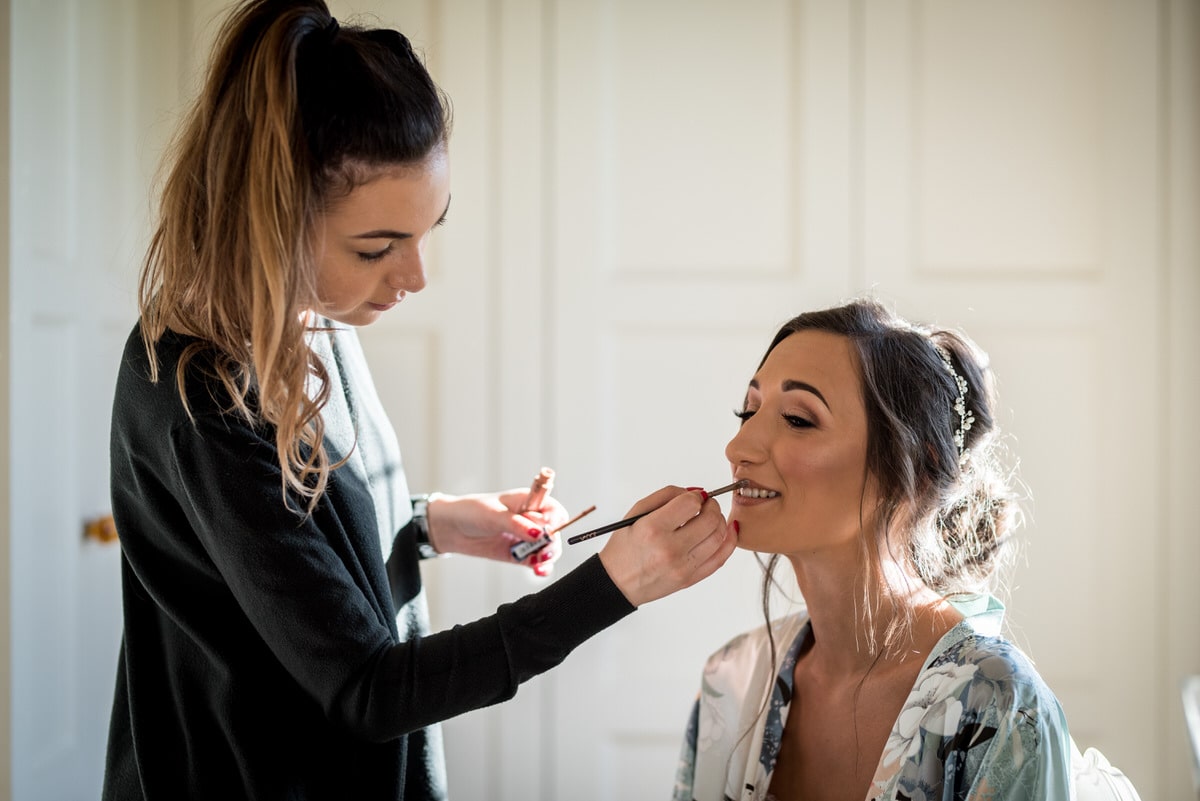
(330, 31)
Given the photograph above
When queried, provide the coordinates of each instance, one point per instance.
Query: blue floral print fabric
(979, 722)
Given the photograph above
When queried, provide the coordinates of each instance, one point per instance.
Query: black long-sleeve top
(269, 655)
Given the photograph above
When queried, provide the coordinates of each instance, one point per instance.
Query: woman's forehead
(811, 356)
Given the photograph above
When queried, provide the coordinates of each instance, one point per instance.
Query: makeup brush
(596, 532)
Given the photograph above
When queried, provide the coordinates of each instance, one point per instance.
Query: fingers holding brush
(681, 539)
(541, 552)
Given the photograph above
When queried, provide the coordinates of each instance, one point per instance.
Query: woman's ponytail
(295, 111)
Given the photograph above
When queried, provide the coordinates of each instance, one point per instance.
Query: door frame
(5, 346)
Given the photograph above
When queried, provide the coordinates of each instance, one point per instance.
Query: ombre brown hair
(294, 112)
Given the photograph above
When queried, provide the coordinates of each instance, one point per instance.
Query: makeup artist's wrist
(625, 581)
(427, 543)
(433, 509)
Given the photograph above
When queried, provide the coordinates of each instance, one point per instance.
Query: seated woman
(866, 444)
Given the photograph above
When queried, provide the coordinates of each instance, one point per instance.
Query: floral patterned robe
(979, 723)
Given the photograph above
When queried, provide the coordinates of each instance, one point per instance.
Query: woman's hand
(685, 539)
(489, 524)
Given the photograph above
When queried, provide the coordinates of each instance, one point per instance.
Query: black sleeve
(306, 593)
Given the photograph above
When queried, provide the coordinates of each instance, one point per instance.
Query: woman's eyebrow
(382, 233)
(792, 385)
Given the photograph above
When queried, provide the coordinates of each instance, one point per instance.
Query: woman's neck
(847, 640)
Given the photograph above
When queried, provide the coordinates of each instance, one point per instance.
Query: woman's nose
(744, 448)
(410, 275)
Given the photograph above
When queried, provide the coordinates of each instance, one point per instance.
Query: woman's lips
(752, 495)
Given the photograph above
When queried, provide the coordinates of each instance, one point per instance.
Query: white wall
(1181, 562)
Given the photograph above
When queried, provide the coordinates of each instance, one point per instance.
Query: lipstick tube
(543, 482)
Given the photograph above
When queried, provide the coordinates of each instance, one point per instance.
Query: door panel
(684, 181)
(1018, 196)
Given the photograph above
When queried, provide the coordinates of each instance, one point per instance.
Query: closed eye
(375, 255)
(796, 421)
(793, 420)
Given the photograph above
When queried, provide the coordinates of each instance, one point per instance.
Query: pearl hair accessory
(965, 417)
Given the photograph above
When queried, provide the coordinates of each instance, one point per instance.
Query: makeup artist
(276, 640)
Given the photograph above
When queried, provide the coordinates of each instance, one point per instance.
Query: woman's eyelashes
(375, 255)
(793, 420)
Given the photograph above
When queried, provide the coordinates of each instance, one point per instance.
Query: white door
(79, 205)
(670, 180)
(720, 167)
(1020, 197)
(699, 200)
